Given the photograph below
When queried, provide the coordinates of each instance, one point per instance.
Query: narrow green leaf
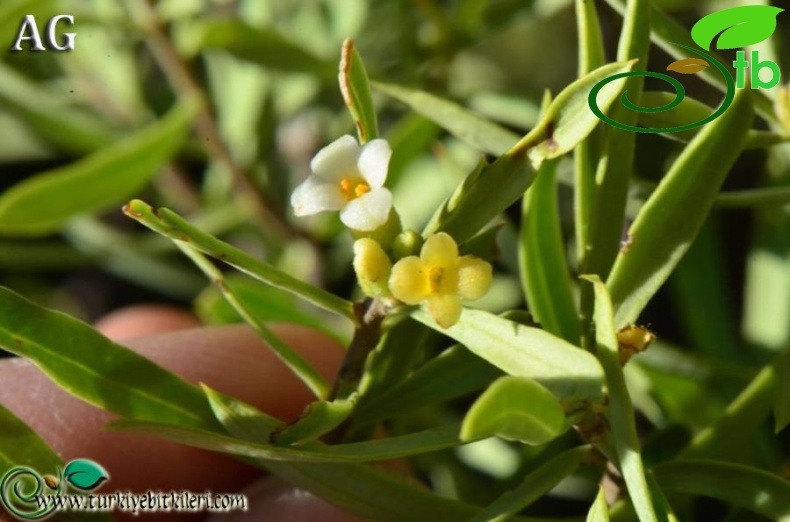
(270, 304)
(355, 87)
(239, 418)
(21, 446)
(691, 110)
(515, 408)
(673, 215)
(170, 224)
(263, 46)
(599, 511)
(615, 166)
(478, 132)
(591, 50)
(320, 418)
(591, 56)
(544, 271)
(381, 449)
(295, 362)
(571, 373)
(106, 178)
(490, 189)
(732, 435)
(569, 119)
(455, 372)
(535, 485)
(621, 413)
(746, 487)
(88, 365)
(362, 490)
(49, 115)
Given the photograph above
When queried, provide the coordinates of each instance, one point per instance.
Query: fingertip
(145, 320)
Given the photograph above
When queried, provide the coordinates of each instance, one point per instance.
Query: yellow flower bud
(372, 267)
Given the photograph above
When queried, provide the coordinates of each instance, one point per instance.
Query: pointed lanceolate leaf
(544, 270)
(477, 131)
(738, 26)
(674, 214)
(91, 367)
(319, 418)
(355, 87)
(572, 374)
(85, 474)
(515, 408)
(101, 181)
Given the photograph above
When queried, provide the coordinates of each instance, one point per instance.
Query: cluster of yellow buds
(439, 277)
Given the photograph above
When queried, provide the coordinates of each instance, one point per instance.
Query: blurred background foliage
(267, 74)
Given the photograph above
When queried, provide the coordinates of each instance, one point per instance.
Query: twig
(184, 84)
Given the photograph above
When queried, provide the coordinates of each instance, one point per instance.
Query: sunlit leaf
(319, 418)
(515, 408)
(571, 373)
(673, 215)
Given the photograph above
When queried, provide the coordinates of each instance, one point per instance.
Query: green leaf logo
(738, 26)
(85, 474)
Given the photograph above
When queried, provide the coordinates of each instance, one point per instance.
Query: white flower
(348, 178)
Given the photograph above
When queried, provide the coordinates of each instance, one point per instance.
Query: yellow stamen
(353, 189)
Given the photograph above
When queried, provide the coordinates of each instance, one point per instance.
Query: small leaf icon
(85, 474)
(51, 481)
(738, 26)
(688, 66)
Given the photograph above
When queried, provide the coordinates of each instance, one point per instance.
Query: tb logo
(28, 32)
(731, 28)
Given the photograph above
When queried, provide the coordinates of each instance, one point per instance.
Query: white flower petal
(367, 212)
(337, 160)
(314, 196)
(374, 161)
